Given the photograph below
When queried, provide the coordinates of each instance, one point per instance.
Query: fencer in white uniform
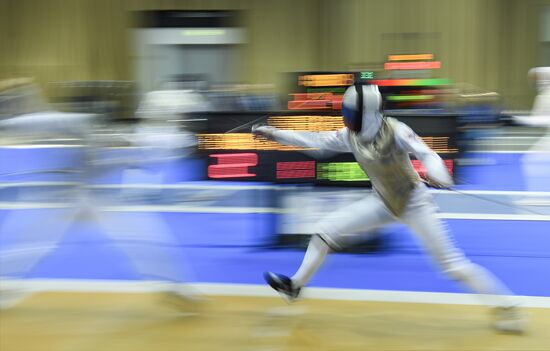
(536, 163)
(381, 145)
(148, 243)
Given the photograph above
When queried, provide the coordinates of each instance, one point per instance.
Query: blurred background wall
(488, 43)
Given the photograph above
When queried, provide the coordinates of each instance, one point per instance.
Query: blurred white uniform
(144, 237)
(541, 105)
(536, 163)
(382, 148)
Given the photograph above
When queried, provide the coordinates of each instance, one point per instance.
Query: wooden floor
(104, 322)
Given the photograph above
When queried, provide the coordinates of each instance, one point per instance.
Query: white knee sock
(316, 252)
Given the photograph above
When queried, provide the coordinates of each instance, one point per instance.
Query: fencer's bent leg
(421, 216)
(365, 214)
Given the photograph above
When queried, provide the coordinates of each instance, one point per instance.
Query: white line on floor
(245, 210)
(216, 289)
(229, 186)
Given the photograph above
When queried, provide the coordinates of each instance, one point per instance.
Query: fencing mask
(361, 108)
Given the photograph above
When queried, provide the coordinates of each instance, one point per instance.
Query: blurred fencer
(541, 105)
(23, 112)
(381, 145)
(536, 163)
(144, 238)
(540, 112)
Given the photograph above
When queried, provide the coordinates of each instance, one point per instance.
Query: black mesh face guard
(353, 118)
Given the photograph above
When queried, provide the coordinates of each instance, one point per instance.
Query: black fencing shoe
(282, 284)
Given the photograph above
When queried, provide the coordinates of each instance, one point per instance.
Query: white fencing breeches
(421, 217)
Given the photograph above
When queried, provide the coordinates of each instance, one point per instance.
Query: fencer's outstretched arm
(436, 171)
(333, 141)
